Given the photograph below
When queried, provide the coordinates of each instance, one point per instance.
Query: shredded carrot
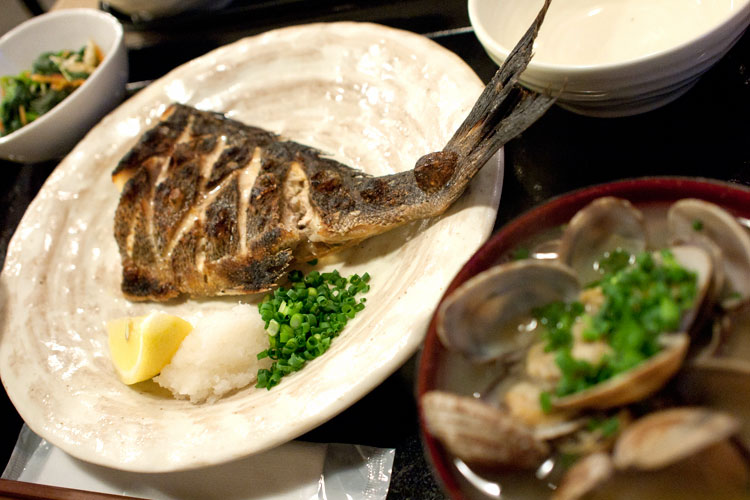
(22, 114)
(57, 81)
(99, 54)
(57, 77)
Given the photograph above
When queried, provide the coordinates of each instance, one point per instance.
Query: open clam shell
(483, 318)
(731, 336)
(585, 476)
(648, 377)
(604, 225)
(721, 383)
(635, 384)
(703, 223)
(665, 437)
(718, 472)
(481, 434)
(699, 261)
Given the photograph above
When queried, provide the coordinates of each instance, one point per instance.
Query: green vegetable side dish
(53, 77)
(302, 321)
(641, 301)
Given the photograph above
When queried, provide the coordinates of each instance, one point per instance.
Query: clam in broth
(602, 369)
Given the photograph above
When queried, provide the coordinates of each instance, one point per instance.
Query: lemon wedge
(141, 346)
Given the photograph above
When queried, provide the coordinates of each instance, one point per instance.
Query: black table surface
(702, 134)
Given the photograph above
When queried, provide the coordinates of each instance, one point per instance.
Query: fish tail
(503, 110)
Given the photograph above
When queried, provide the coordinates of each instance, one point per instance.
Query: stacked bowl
(614, 57)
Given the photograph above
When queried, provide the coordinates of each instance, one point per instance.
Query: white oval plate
(374, 98)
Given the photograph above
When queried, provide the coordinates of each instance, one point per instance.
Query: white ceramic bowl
(614, 57)
(53, 134)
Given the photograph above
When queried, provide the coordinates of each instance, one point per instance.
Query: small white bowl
(613, 57)
(54, 133)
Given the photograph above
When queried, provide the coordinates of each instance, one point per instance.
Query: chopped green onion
(272, 327)
(520, 253)
(610, 426)
(285, 333)
(545, 401)
(606, 426)
(643, 298)
(301, 321)
(296, 320)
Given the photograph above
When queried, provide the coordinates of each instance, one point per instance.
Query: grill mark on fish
(176, 194)
(197, 209)
(175, 151)
(247, 179)
(236, 206)
(211, 148)
(212, 157)
(220, 230)
(163, 168)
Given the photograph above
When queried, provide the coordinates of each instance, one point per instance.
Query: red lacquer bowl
(434, 359)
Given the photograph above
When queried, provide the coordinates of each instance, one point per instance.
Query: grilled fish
(210, 206)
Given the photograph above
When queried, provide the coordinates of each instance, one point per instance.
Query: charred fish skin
(211, 206)
(201, 208)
